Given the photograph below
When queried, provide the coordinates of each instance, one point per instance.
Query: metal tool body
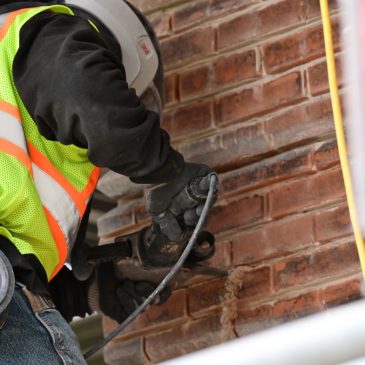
(148, 254)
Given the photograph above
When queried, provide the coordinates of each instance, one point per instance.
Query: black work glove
(117, 298)
(171, 205)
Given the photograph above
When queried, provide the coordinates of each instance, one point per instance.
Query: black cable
(168, 277)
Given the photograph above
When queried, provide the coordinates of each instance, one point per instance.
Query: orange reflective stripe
(93, 180)
(10, 109)
(17, 152)
(60, 240)
(9, 20)
(43, 163)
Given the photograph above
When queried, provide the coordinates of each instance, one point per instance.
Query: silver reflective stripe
(12, 130)
(53, 196)
(58, 202)
(3, 19)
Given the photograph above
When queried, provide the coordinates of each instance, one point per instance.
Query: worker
(81, 89)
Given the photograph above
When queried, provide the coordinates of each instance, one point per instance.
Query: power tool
(193, 248)
(148, 255)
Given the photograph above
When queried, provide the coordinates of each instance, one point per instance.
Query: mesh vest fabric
(23, 218)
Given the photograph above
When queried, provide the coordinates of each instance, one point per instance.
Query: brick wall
(247, 93)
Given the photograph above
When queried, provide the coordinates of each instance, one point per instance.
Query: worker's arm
(74, 87)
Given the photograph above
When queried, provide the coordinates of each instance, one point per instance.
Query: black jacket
(72, 82)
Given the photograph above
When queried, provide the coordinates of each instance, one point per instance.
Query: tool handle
(199, 187)
(110, 252)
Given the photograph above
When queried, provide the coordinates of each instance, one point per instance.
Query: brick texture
(318, 79)
(299, 306)
(232, 69)
(192, 336)
(260, 99)
(328, 261)
(275, 240)
(188, 46)
(228, 216)
(252, 320)
(296, 49)
(195, 118)
(246, 92)
(251, 25)
(299, 195)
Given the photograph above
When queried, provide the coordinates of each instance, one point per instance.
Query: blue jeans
(36, 334)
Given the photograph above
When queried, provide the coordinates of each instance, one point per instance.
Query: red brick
(333, 223)
(268, 171)
(173, 309)
(223, 256)
(305, 193)
(236, 68)
(221, 6)
(243, 143)
(318, 77)
(252, 320)
(192, 13)
(312, 8)
(252, 25)
(297, 48)
(187, 338)
(326, 155)
(229, 149)
(329, 261)
(302, 305)
(273, 240)
(161, 23)
(156, 316)
(255, 283)
(131, 352)
(301, 124)
(343, 292)
(205, 150)
(148, 5)
(188, 14)
(197, 81)
(171, 89)
(188, 46)
(206, 296)
(232, 69)
(235, 214)
(260, 99)
(190, 120)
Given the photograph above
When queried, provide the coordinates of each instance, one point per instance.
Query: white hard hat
(129, 27)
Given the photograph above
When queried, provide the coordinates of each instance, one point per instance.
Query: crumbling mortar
(233, 285)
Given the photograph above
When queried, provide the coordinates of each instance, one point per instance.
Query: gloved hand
(117, 298)
(174, 204)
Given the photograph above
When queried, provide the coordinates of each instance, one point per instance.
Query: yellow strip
(337, 114)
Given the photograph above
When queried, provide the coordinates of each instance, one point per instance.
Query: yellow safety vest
(45, 186)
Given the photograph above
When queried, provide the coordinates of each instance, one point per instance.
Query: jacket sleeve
(74, 87)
